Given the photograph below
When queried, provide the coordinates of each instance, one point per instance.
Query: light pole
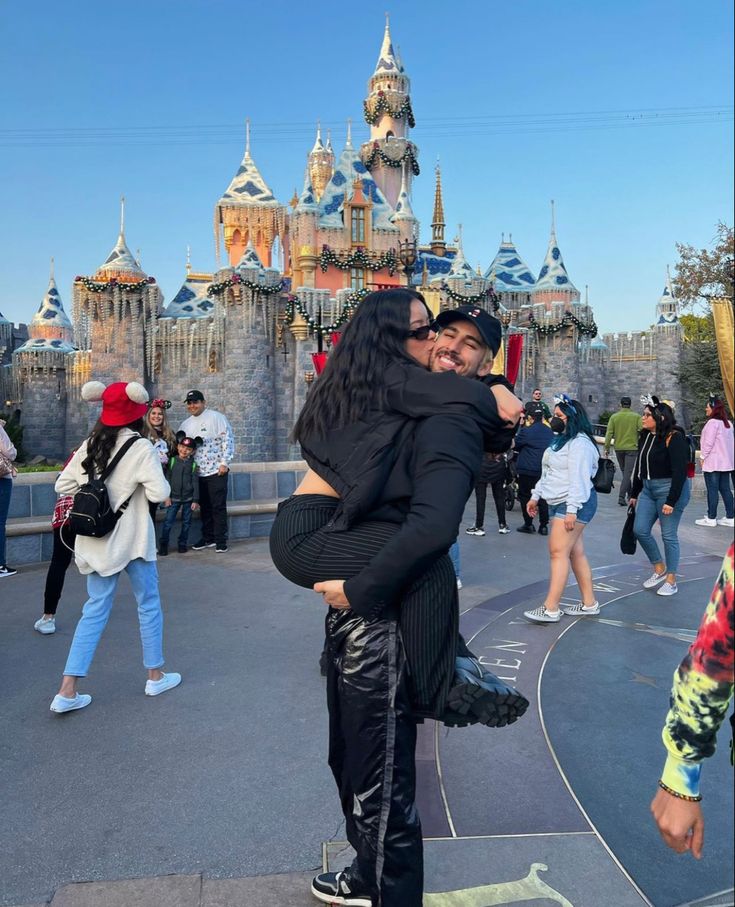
(408, 255)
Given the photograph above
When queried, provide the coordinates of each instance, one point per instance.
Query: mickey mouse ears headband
(160, 403)
(564, 400)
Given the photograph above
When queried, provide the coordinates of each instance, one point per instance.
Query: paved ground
(217, 794)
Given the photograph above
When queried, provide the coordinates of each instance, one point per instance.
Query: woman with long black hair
(136, 480)
(660, 491)
(393, 453)
(567, 468)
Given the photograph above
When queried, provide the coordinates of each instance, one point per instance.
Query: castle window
(358, 225)
(357, 279)
(212, 362)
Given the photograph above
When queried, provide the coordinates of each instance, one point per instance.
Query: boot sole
(487, 707)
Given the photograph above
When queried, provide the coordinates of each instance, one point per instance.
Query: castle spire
(508, 271)
(438, 245)
(387, 59)
(404, 210)
(318, 146)
(188, 260)
(348, 143)
(553, 220)
(121, 263)
(553, 281)
(51, 270)
(122, 215)
(320, 164)
(247, 137)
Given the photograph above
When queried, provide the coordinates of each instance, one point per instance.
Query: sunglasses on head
(423, 332)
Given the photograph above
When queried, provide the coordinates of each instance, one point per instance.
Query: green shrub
(604, 416)
(15, 432)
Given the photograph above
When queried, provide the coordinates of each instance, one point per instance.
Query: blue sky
(148, 99)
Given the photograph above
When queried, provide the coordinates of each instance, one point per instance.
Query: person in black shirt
(530, 443)
(660, 491)
(393, 453)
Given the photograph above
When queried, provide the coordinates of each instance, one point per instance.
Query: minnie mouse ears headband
(160, 403)
(564, 400)
(714, 400)
(650, 400)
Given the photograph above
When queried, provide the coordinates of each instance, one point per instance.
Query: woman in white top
(131, 546)
(567, 469)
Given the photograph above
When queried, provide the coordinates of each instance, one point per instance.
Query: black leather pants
(372, 747)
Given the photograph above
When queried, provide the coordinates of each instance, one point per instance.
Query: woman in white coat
(131, 546)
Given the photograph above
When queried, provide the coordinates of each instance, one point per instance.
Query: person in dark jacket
(183, 477)
(393, 452)
(530, 444)
(660, 491)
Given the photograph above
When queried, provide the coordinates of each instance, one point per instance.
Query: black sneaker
(162, 549)
(201, 545)
(182, 549)
(543, 530)
(221, 547)
(531, 529)
(6, 571)
(337, 888)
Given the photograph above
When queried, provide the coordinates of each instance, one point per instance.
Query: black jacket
(183, 477)
(531, 443)
(662, 458)
(413, 464)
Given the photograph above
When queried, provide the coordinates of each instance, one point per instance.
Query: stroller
(510, 485)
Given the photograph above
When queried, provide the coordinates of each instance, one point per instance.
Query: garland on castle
(586, 329)
(294, 306)
(359, 258)
(373, 111)
(408, 155)
(472, 299)
(95, 286)
(216, 289)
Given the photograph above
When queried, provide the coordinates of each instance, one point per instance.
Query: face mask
(557, 425)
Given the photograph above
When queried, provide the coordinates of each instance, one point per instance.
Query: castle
(246, 335)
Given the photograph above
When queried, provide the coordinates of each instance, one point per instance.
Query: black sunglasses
(423, 332)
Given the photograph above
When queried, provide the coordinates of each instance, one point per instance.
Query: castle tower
(438, 245)
(388, 113)
(553, 284)
(115, 313)
(668, 339)
(404, 218)
(51, 321)
(248, 211)
(321, 164)
(667, 310)
(304, 218)
(511, 277)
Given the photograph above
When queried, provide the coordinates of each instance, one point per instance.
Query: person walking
(492, 473)
(568, 465)
(530, 444)
(213, 459)
(383, 523)
(717, 453)
(536, 405)
(702, 691)
(8, 453)
(183, 477)
(623, 430)
(660, 491)
(136, 479)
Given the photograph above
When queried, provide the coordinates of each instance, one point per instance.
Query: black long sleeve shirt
(662, 458)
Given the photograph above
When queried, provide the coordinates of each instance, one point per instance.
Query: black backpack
(602, 481)
(91, 513)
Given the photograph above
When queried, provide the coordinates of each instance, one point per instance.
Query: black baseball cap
(489, 327)
(194, 397)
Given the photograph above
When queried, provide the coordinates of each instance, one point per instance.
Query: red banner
(334, 337)
(513, 350)
(319, 360)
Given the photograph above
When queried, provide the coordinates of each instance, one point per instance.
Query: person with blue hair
(567, 468)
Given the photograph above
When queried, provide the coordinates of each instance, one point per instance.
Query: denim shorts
(584, 514)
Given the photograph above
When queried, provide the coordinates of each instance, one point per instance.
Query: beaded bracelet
(679, 796)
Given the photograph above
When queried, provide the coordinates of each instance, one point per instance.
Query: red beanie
(122, 402)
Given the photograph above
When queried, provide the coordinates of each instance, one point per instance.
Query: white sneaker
(706, 521)
(45, 625)
(459, 583)
(654, 579)
(542, 616)
(726, 521)
(167, 682)
(579, 609)
(668, 589)
(475, 530)
(61, 704)
(503, 530)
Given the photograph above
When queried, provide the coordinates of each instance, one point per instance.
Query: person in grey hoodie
(183, 476)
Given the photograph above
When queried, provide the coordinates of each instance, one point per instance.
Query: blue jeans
(6, 489)
(96, 611)
(718, 483)
(171, 519)
(454, 555)
(649, 509)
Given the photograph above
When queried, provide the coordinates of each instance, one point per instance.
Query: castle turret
(388, 113)
(404, 218)
(511, 277)
(321, 164)
(438, 245)
(304, 218)
(248, 211)
(51, 321)
(667, 310)
(553, 284)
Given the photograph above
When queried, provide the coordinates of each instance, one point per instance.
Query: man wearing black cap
(213, 458)
(622, 431)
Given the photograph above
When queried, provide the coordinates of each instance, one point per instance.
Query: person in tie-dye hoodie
(703, 689)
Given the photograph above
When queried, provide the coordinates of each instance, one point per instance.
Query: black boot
(480, 695)
(162, 549)
(543, 530)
